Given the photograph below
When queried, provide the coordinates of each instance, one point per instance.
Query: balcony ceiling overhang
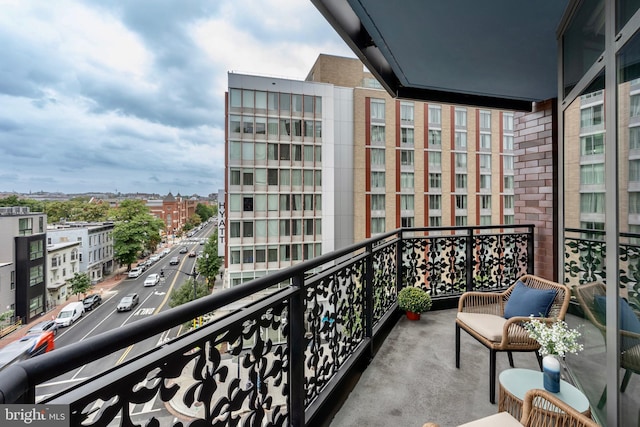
(498, 54)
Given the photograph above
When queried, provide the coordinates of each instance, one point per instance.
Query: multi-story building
(289, 173)
(95, 250)
(315, 165)
(63, 261)
(23, 257)
(173, 210)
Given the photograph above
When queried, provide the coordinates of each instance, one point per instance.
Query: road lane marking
(124, 355)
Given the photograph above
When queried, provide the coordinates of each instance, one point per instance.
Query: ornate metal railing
(585, 255)
(278, 360)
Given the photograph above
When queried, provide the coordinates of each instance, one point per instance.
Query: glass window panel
(377, 134)
(435, 115)
(296, 104)
(285, 102)
(308, 153)
(261, 100)
(247, 151)
(273, 101)
(406, 157)
(235, 98)
(377, 202)
(308, 177)
(247, 98)
(308, 104)
(261, 176)
(260, 151)
(308, 128)
(235, 150)
(261, 125)
(318, 106)
(435, 180)
(260, 202)
(435, 158)
(285, 177)
(296, 177)
(377, 157)
(272, 127)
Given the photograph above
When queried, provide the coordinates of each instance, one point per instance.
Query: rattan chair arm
(514, 333)
(541, 409)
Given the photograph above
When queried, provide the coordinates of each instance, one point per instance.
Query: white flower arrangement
(556, 339)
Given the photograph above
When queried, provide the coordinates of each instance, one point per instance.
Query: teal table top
(518, 381)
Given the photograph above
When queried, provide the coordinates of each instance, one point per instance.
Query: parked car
(184, 250)
(92, 301)
(165, 251)
(192, 254)
(26, 347)
(47, 325)
(127, 302)
(174, 260)
(154, 258)
(152, 280)
(135, 272)
(70, 313)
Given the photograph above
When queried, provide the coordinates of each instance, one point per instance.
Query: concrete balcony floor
(413, 378)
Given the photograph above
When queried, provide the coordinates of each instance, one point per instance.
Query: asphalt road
(153, 299)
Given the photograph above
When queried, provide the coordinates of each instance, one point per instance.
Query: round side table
(514, 384)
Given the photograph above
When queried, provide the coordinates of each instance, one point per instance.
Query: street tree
(209, 263)
(204, 211)
(80, 284)
(184, 293)
(135, 230)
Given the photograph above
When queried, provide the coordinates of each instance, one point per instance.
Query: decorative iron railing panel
(274, 361)
(585, 260)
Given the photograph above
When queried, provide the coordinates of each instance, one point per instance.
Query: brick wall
(536, 183)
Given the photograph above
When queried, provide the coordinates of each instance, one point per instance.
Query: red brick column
(536, 181)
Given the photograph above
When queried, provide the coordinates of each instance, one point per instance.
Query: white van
(70, 313)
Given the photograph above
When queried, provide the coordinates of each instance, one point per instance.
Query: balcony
(286, 348)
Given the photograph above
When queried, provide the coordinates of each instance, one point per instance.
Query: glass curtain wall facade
(599, 104)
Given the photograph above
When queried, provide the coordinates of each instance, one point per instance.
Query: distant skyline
(128, 96)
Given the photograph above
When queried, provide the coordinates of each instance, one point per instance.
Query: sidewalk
(106, 285)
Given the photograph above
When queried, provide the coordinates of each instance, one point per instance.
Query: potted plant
(414, 301)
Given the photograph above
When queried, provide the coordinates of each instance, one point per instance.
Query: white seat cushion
(501, 419)
(488, 325)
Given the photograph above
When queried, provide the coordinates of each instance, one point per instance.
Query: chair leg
(492, 376)
(510, 355)
(457, 346)
(625, 380)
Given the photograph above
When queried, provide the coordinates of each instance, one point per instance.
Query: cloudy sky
(128, 96)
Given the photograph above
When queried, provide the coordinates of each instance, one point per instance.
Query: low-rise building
(63, 261)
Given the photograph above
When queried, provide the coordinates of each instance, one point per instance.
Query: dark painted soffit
(498, 53)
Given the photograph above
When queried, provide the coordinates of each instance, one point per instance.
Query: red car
(26, 347)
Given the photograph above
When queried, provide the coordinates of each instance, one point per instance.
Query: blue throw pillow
(526, 301)
(628, 320)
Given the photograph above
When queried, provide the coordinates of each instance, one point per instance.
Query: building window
(247, 229)
(406, 202)
(406, 112)
(247, 177)
(435, 180)
(247, 204)
(435, 221)
(377, 157)
(485, 182)
(36, 249)
(12, 285)
(460, 140)
(435, 115)
(509, 219)
(634, 170)
(634, 203)
(435, 159)
(508, 202)
(377, 109)
(377, 134)
(407, 180)
(507, 142)
(285, 202)
(234, 177)
(591, 116)
(507, 122)
(485, 120)
(406, 136)
(592, 203)
(634, 105)
(25, 226)
(461, 160)
(592, 174)
(377, 225)
(234, 229)
(592, 144)
(485, 202)
(36, 275)
(508, 182)
(435, 137)
(406, 158)
(508, 163)
(485, 161)
(485, 219)
(377, 202)
(485, 141)
(407, 221)
(461, 181)
(461, 117)
(461, 220)
(377, 179)
(461, 201)
(435, 201)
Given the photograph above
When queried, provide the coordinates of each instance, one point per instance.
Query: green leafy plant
(556, 339)
(414, 299)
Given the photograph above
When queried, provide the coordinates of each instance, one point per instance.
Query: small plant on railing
(414, 300)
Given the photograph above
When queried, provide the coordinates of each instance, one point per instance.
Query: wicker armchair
(540, 409)
(481, 314)
(630, 341)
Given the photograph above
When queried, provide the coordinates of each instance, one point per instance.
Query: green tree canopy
(204, 211)
(193, 221)
(13, 200)
(209, 264)
(80, 284)
(184, 293)
(136, 229)
(76, 210)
